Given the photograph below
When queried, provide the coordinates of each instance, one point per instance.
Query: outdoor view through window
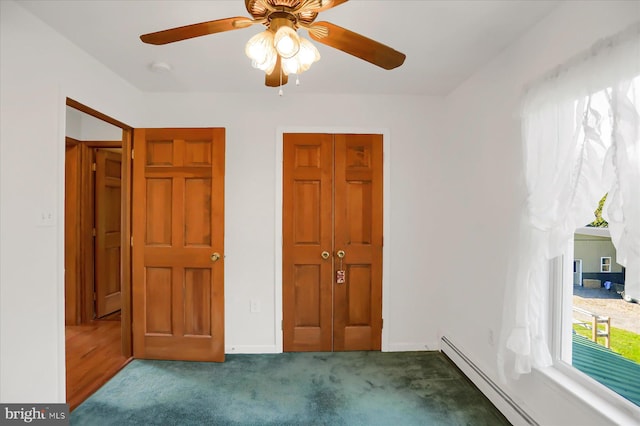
(606, 320)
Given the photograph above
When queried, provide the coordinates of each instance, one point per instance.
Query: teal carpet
(340, 388)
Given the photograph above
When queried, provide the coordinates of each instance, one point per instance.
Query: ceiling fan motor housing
(271, 9)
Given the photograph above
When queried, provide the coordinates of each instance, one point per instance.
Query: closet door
(357, 216)
(332, 223)
(307, 251)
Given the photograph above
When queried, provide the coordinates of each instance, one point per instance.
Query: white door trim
(386, 211)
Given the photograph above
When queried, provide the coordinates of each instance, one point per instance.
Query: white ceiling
(445, 42)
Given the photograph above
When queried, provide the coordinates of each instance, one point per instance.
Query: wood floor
(93, 356)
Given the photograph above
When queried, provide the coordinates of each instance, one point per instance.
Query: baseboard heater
(450, 349)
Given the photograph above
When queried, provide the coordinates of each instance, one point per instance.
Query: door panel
(178, 290)
(332, 186)
(358, 232)
(107, 224)
(307, 232)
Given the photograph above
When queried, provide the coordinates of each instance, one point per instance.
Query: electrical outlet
(255, 306)
(46, 218)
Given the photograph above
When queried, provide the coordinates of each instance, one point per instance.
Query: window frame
(576, 382)
(603, 264)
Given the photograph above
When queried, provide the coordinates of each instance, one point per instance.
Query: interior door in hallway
(332, 221)
(178, 236)
(108, 165)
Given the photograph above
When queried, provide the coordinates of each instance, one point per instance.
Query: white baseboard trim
(498, 397)
(273, 349)
(411, 347)
(251, 349)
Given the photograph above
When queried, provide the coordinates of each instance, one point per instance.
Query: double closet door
(332, 242)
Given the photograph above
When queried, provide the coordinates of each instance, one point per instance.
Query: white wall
(38, 69)
(84, 127)
(252, 203)
(484, 159)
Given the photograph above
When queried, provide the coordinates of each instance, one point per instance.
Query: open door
(107, 232)
(178, 244)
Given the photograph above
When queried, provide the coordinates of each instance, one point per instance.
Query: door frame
(126, 200)
(386, 222)
(84, 241)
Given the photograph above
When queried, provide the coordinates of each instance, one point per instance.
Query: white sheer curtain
(580, 135)
(622, 208)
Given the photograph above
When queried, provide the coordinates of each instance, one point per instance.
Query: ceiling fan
(279, 50)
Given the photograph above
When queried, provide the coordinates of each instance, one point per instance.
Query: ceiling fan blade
(358, 45)
(328, 4)
(273, 79)
(196, 30)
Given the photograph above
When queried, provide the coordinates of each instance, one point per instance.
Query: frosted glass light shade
(307, 55)
(261, 51)
(287, 42)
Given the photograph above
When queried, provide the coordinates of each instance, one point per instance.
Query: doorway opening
(97, 249)
(577, 272)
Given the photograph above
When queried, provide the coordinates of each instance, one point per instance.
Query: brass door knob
(215, 257)
(325, 255)
(340, 253)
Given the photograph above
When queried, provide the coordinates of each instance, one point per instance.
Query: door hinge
(93, 167)
(132, 241)
(94, 232)
(132, 154)
(382, 323)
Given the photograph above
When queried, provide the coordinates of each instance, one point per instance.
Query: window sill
(595, 395)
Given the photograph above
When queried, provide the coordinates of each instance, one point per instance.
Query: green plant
(599, 222)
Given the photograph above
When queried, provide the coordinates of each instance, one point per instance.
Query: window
(580, 140)
(597, 327)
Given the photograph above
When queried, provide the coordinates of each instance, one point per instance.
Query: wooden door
(178, 237)
(358, 233)
(108, 167)
(332, 202)
(307, 233)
